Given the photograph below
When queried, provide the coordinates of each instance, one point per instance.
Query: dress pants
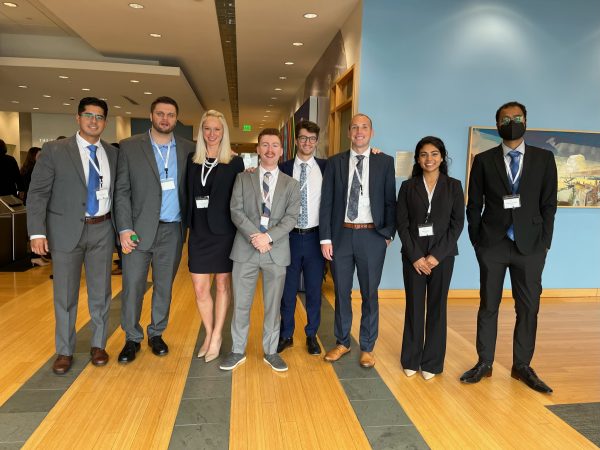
(424, 341)
(526, 279)
(164, 255)
(364, 250)
(306, 258)
(94, 250)
(244, 277)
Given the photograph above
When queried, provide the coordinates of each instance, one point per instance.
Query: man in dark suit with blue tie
(304, 240)
(356, 224)
(511, 208)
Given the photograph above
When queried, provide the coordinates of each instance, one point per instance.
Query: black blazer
(218, 213)
(334, 195)
(447, 216)
(533, 221)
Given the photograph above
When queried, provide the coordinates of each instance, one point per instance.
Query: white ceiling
(102, 45)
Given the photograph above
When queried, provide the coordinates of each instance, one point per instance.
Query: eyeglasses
(90, 116)
(162, 115)
(303, 139)
(516, 119)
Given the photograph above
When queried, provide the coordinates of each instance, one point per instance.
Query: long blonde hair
(224, 155)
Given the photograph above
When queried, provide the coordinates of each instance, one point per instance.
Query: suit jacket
(246, 208)
(334, 195)
(57, 197)
(447, 216)
(218, 212)
(138, 192)
(533, 221)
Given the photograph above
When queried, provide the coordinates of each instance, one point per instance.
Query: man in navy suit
(356, 224)
(304, 240)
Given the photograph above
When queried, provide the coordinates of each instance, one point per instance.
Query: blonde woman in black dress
(211, 172)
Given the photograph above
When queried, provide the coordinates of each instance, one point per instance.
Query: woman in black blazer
(430, 215)
(211, 172)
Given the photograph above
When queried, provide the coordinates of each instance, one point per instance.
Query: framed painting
(577, 155)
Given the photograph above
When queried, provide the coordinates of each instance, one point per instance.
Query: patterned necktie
(93, 182)
(303, 218)
(514, 170)
(266, 212)
(355, 189)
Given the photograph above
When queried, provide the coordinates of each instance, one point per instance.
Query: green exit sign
(246, 127)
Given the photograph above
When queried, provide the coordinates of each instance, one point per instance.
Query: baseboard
(506, 293)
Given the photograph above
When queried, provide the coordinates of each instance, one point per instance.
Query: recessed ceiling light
(136, 6)
(278, 89)
(35, 107)
(85, 89)
(297, 44)
(283, 78)
(127, 112)
(22, 86)
(14, 101)
(10, 4)
(289, 63)
(63, 77)
(310, 16)
(66, 104)
(116, 106)
(269, 105)
(102, 98)
(273, 98)
(155, 35)
(265, 116)
(46, 96)
(147, 93)
(268, 110)
(134, 81)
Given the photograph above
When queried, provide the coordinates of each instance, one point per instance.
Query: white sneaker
(409, 372)
(427, 375)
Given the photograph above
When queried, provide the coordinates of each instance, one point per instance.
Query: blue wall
(438, 67)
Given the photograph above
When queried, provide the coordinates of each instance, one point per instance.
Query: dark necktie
(514, 170)
(266, 212)
(303, 218)
(355, 188)
(93, 182)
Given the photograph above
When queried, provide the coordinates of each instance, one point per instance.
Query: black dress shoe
(313, 345)
(475, 375)
(528, 376)
(284, 343)
(159, 347)
(129, 350)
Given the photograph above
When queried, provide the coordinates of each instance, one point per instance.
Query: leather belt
(305, 230)
(359, 226)
(97, 219)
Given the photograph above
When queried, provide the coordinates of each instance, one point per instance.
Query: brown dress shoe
(367, 359)
(336, 353)
(62, 364)
(99, 356)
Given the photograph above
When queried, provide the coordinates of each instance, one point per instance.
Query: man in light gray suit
(69, 213)
(150, 202)
(264, 207)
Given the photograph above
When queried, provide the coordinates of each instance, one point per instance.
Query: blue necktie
(266, 212)
(514, 170)
(93, 182)
(355, 189)
(303, 218)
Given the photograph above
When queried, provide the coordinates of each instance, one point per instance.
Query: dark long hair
(417, 171)
(27, 166)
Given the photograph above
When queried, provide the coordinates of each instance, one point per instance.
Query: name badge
(202, 202)
(512, 201)
(167, 184)
(102, 194)
(264, 221)
(426, 229)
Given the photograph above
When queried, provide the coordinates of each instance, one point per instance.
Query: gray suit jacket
(138, 192)
(56, 201)
(246, 208)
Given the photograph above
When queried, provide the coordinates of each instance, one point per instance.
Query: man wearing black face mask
(510, 211)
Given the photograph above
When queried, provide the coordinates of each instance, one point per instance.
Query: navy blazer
(447, 216)
(334, 195)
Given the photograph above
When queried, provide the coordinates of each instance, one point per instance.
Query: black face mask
(511, 131)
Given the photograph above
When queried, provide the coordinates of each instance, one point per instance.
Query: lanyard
(165, 161)
(96, 168)
(211, 166)
(509, 172)
(429, 197)
(359, 176)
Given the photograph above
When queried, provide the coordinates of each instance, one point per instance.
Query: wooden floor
(135, 406)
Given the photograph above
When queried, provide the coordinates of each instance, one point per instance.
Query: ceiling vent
(226, 20)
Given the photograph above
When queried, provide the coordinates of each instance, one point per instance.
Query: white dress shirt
(314, 180)
(505, 150)
(84, 152)
(364, 203)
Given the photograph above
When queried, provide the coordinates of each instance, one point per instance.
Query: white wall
(9, 131)
(47, 127)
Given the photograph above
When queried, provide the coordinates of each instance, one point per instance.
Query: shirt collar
(262, 170)
(366, 154)
(310, 162)
(171, 143)
(520, 148)
(84, 144)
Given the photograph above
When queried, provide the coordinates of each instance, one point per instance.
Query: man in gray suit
(264, 207)
(150, 200)
(69, 213)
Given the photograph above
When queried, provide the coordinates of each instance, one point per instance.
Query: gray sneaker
(232, 360)
(276, 362)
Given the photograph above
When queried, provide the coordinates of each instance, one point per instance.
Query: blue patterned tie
(303, 218)
(514, 170)
(93, 182)
(266, 212)
(355, 189)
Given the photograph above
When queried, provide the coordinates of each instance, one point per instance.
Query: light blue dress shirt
(169, 208)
